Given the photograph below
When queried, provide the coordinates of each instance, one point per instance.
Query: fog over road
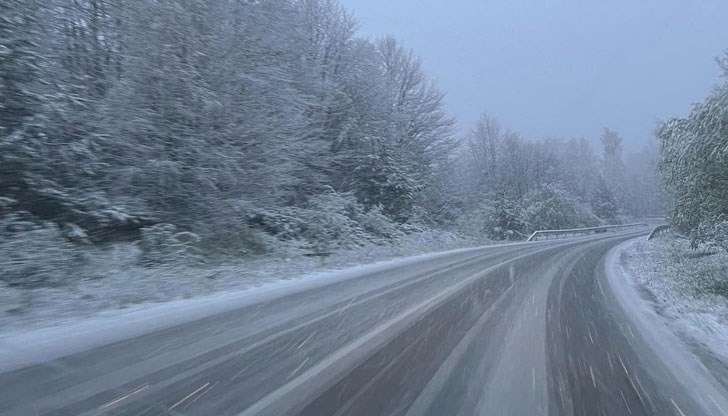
(521, 329)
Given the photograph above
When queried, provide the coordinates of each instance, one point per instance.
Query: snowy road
(524, 329)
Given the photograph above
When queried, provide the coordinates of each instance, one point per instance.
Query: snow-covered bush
(33, 254)
(715, 234)
(329, 221)
(231, 236)
(164, 243)
(378, 225)
(475, 223)
(498, 217)
(553, 208)
(226, 231)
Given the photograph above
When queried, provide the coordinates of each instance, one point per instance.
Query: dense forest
(221, 128)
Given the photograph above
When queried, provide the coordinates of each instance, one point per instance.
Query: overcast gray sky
(561, 67)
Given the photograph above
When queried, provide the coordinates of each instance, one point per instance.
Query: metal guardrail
(660, 229)
(584, 231)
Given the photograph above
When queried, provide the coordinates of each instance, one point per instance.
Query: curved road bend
(523, 329)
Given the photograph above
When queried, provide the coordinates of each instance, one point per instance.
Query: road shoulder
(689, 290)
(19, 348)
(660, 330)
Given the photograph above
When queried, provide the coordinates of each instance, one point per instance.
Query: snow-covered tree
(604, 203)
(19, 63)
(553, 208)
(694, 163)
(613, 169)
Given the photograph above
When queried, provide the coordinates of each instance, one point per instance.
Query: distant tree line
(511, 187)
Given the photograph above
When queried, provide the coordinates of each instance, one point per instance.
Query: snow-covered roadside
(687, 288)
(22, 347)
(112, 281)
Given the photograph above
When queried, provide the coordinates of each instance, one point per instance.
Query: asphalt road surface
(523, 329)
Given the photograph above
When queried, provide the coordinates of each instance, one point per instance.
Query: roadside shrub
(552, 209)
(497, 217)
(231, 236)
(325, 222)
(34, 255)
(226, 231)
(379, 225)
(163, 243)
(329, 221)
(714, 234)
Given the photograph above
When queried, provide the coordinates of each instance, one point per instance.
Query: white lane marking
(644, 391)
(677, 407)
(124, 397)
(293, 373)
(306, 340)
(717, 405)
(609, 358)
(625, 402)
(347, 305)
(594, 380)
(189, 395)
(201, 394)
